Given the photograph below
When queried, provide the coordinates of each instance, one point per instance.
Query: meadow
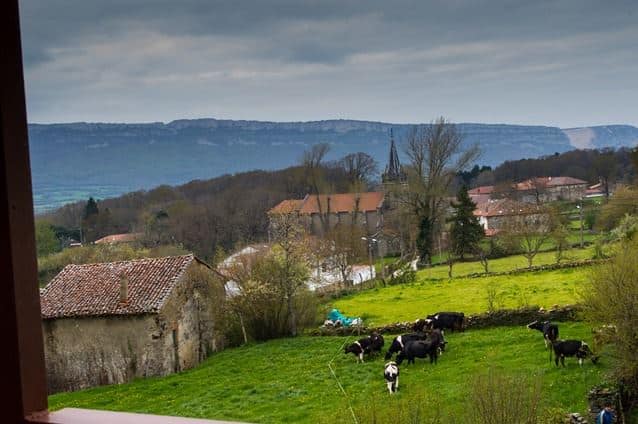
(407, 302)
(288, 380)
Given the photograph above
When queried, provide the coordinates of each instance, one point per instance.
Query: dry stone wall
(500, 318)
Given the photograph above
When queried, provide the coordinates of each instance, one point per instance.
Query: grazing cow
(391, 374)
(549, 330)
(366, 345)
(436, 338)
(442, 321)
(418, 349)
(399, 343)
(577, 348)
(376, 343)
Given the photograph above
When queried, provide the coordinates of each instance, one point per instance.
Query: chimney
(123, 288)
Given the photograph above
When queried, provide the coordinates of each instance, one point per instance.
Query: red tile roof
(505, 207)
(481, 190)
(94, 289)
(119, 238)
(343, 202)
(287, 206)
(548, 182)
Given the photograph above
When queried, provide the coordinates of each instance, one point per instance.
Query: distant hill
(74, 161)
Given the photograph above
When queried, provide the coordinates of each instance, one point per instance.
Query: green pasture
(408, 302)
(288, 380)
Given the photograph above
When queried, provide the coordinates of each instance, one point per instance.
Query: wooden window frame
(23, 382)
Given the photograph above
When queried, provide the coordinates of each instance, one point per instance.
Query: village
(115, 322)
(319, 212)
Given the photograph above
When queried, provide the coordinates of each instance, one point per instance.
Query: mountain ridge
(71, 161)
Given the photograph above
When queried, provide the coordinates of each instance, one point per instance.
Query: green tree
(465, 232)
(89, 221)
(45, 239)
(611, 297)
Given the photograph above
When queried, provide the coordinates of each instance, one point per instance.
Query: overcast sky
(565, 63)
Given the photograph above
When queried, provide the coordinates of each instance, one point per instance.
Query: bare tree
(313, 164)
(359, 167)
(342, 248)
(436, 154)
(529, 231)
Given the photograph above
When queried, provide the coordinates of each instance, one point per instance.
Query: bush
(406, 277)
(496, 399)
(611, 297)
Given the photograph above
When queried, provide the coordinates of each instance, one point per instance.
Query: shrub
(496, 399)
(611, 297)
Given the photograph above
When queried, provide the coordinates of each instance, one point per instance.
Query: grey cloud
(149, 60)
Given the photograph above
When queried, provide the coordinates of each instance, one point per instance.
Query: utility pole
(580, 210)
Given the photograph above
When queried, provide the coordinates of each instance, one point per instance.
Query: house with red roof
(107, 323)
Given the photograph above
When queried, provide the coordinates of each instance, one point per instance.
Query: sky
(566, 63)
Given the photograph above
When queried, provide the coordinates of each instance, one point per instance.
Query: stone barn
(108, 323)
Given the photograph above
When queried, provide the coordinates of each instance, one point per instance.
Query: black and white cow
(366, 345)
(441, 321)
(399, 343)
(577, 348)
(549, 330)
(391, 375)
(418, 349)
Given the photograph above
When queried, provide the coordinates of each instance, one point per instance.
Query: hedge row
(500, 318)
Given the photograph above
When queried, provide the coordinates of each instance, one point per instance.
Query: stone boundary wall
(500, 318)
(597, 398)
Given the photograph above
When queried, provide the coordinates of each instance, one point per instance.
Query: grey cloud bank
(568, 63)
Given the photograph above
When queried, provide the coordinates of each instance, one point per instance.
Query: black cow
(399, 343)
(391, 375)
(436, 338)
(418, 349)
(366, 345)
(549, 330)
(442, 321)
(577, 348)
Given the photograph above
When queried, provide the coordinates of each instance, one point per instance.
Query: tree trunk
(292, 316)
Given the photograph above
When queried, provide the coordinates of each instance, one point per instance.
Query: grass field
(408, 302)
(288, 380)
(508, 263)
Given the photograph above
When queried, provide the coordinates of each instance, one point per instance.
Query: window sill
(82, 416)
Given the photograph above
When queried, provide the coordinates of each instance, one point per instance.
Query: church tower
(394, 173)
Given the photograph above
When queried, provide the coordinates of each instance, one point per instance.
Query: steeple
(393, 171)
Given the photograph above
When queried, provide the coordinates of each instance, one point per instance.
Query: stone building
(317, 213)
(495, 215)
(533, 190)
(108, 323)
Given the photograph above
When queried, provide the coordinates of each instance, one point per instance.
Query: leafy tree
(89, 221)
(45, 239)
(91, 208)
(624, 201)
(611, 297)
(288, 270)
(465, 232)
(342, 248)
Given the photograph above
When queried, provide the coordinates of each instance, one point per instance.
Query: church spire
(393, 171)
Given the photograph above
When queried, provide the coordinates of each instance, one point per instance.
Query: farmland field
(288, 380)
(408, 302)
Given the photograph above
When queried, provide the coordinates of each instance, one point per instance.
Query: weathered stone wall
(92, 351)
(500, 318)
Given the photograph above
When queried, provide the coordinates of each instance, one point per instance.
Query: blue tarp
(335, 316)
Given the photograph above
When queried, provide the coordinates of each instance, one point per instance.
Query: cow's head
(400, 358)
(535, 325)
